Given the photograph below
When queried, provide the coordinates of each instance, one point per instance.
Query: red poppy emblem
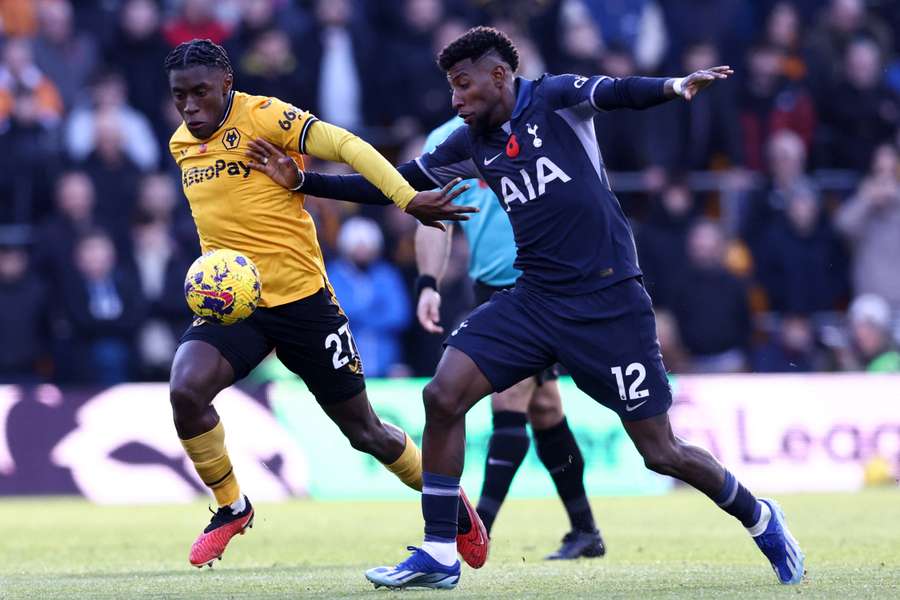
(512, 146)
(201, 149)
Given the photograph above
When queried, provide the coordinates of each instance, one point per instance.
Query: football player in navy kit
(579, 301)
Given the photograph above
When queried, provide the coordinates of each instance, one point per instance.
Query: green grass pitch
(674, 546)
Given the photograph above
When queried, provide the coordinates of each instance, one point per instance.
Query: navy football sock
(559, 452)
(737, 501)
(440, 500)
(506, 451)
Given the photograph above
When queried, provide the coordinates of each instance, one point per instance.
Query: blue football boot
(780, 547)
(419, 570)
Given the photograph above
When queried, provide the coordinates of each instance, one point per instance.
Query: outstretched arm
(379, 182)
(609, 93)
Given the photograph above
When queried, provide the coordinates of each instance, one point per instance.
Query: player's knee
(664, 459)
(188, 397)
(441, 404)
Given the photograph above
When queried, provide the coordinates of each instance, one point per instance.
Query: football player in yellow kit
(237, 208)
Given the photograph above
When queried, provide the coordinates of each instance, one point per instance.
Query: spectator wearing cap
(871, 222)
(873, 348)
(372, 293)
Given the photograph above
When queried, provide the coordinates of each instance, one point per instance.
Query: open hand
(270, 159)
(430, 208)
(428, 311)
(696, 81)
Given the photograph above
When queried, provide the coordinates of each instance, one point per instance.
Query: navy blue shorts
(606, 340)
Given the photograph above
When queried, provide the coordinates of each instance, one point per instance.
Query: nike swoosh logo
(226, 297)
(630, 408)
(495, 157)
(501, 463)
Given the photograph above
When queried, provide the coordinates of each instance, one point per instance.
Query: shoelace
(412, 561)
(219, 517)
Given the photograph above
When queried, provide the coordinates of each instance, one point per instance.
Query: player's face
(200, 94)
(477, 89)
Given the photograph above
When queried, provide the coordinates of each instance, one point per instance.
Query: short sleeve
(450, 159)
(283, 123)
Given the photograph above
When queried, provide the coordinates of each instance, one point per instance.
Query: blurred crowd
(766, 211)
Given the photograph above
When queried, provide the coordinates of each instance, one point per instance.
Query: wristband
(423, 282)
(300, 177)
(678, 86)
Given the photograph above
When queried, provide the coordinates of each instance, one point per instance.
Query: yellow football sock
(408, 468)
(210, 458)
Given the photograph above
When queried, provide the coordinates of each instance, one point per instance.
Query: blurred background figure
(792, 348)
(23, 322)
(711, 305)
(872, 347)
(66, 55)
(373, 295)
(870, 221)
(102, 307)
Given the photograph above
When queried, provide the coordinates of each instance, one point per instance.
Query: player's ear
(227, 82)
(498, 75)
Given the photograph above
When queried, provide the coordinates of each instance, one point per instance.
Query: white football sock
(239, 505)
(764, 515)
(443, 552)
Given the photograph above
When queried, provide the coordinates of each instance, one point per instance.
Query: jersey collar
(523, 96)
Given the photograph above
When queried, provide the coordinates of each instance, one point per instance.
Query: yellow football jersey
(240, 209)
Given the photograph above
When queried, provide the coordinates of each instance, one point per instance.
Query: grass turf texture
(675, 546)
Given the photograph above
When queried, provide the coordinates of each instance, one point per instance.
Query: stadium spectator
(661, 242)
(786, 158)
(136, 50)
(336, 60)
(17, 18)
(690, 135)
(791, 348)
(801, 262)
(23, 326)
(103, 307)
(860, 111)
(871, 222)
(195, 19)
(158, 198)
(270, 66)
(769, 102)
(114, 174)
(68, 57)
(711, 305)
(258, 17)
(109, 95)
(636, 27)
(783, 31)
(872, 348)
(425, 102)
(73, 218)
(726, 24)
(160, 269)
(30, 111)
(580, 45)
(842, 22)
(373, 295)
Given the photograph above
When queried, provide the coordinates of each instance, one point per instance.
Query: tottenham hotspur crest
(532, 131)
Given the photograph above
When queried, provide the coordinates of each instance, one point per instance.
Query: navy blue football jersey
(545, 167)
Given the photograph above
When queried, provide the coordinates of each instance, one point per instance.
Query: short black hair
(198, 53)
(476, 42)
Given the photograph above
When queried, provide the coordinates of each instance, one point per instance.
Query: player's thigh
(242, 346)
(615, 358)
(516, 398)
(545, 408)
(506, 340)
(313, 339)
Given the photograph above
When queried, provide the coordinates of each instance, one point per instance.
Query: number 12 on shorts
(634, 390)
(334, 342)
